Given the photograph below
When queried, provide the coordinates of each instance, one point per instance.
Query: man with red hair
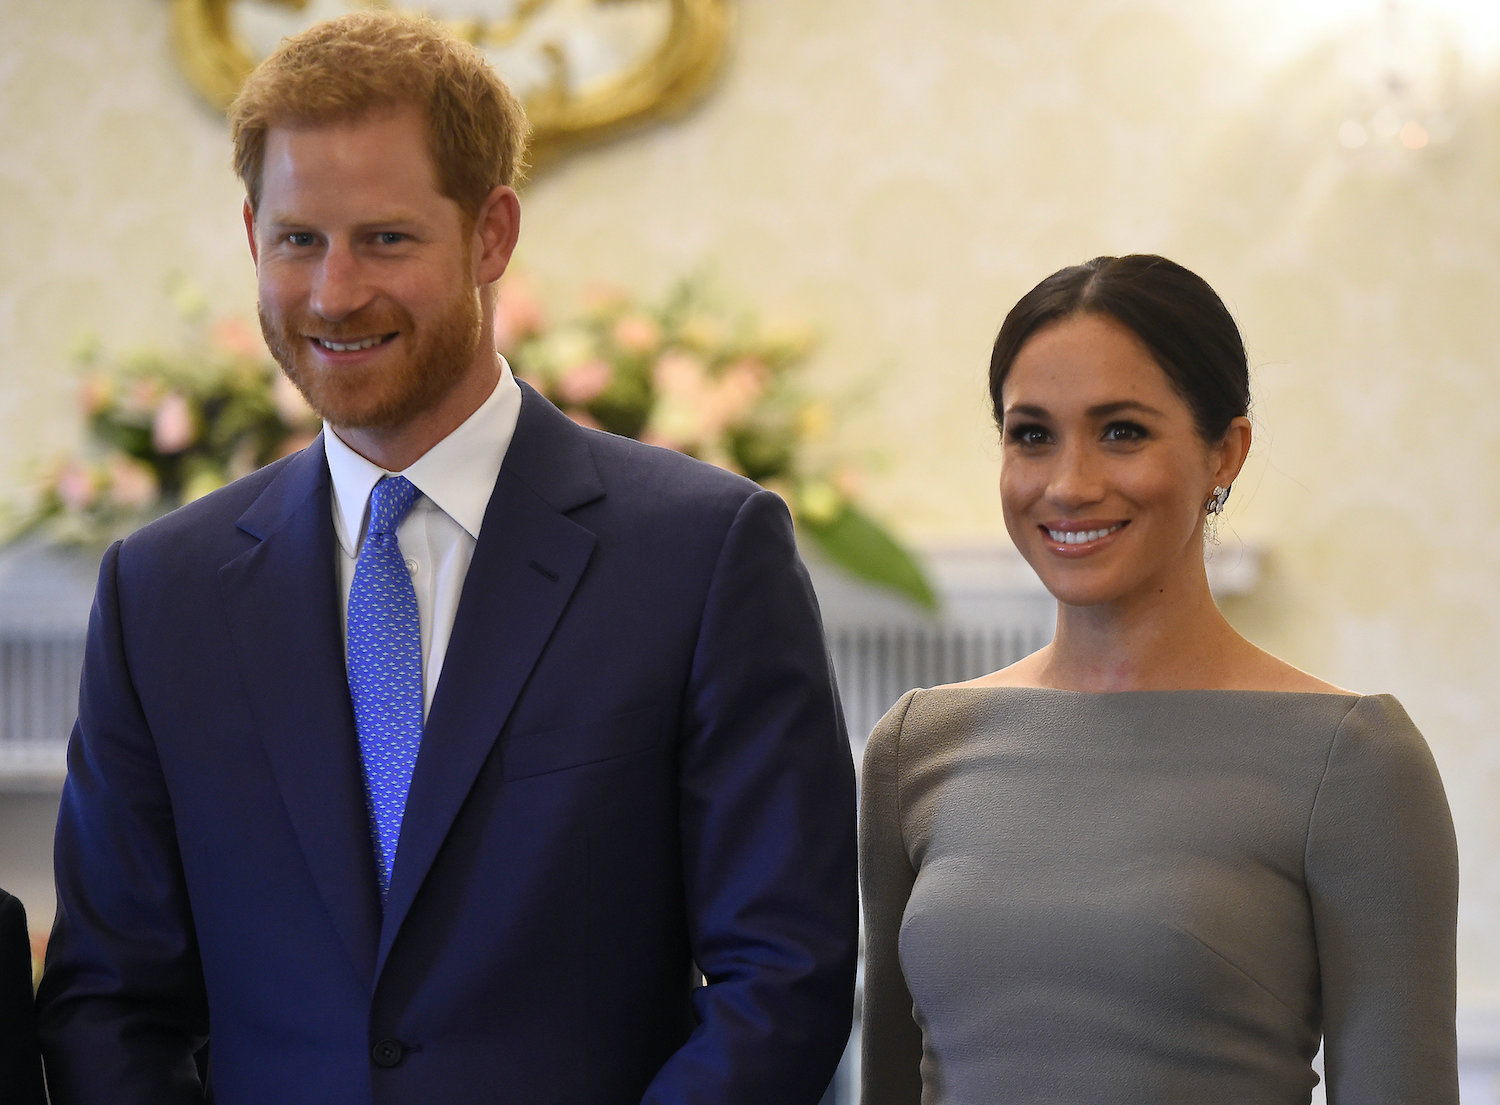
(467, 755)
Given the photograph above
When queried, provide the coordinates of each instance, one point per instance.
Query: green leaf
(861, 546)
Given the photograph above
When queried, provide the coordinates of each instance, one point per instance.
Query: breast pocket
(591, 741)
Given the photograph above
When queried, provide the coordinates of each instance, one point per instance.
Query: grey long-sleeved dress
(1155, 897)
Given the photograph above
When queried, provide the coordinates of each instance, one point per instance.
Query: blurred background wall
(895, 175)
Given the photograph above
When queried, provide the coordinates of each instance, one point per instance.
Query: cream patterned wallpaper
(897, 174)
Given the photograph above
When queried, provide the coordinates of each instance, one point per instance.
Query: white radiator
(38, 696)
(44, 606)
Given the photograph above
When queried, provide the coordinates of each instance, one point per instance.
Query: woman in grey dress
(1149, 863)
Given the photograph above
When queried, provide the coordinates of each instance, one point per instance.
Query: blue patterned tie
(385, 668)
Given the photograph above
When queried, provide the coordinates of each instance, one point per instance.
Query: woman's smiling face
(1105, 473)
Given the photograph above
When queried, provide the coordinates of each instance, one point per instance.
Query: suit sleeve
(20, 1061)
(122, 1005)
(891, 1041)
(1382, 875)
(766, 785)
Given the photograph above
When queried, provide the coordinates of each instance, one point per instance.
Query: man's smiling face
(369, 298)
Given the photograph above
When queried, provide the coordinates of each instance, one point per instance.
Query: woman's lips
(1080, 539)
(1081, 536)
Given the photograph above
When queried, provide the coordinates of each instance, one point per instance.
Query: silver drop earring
(1216, 501)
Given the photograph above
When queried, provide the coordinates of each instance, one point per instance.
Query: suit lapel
(284, 614)
(529, 558)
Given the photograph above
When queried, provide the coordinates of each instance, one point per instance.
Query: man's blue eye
(300, 238)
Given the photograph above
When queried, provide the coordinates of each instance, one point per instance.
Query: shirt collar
(457, 474)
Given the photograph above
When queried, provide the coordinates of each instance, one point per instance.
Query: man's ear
(250, 232)
(495, 232)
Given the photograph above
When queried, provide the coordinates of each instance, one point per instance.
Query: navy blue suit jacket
(634, 777)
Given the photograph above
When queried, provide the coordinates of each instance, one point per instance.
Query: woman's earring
(1216, 501)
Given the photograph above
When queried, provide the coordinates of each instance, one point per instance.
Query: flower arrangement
(688, 375)
(166, 427)
(162, 429)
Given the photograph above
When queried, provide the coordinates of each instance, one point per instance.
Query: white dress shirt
(437, 536)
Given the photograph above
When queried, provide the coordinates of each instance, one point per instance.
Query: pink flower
(290, 406)
(676, 425)
(679, 375)
(233, 336)
(174, 428)
(142, 396)
(518, 313)
(738, 390)
(585, 382)
(96, 393)
(637, 334)
(129, 483)
(682, 416)
(77, 487)
(848, 483)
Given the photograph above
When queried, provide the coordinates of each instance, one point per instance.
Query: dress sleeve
(1382, 877)
(892, 1043)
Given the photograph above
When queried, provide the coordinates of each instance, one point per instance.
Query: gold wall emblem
(586, 69)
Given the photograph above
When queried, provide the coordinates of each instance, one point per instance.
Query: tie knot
(389, 502)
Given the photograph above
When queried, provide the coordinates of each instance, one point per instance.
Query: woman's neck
(1169, 642)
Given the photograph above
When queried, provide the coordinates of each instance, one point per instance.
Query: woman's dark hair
(1173, 312)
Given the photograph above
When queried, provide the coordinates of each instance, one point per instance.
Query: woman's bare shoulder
(1025, 672)
(1261, 671)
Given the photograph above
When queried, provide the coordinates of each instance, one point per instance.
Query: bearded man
(468, 755)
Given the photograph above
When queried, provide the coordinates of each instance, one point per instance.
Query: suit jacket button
(387, 1053)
